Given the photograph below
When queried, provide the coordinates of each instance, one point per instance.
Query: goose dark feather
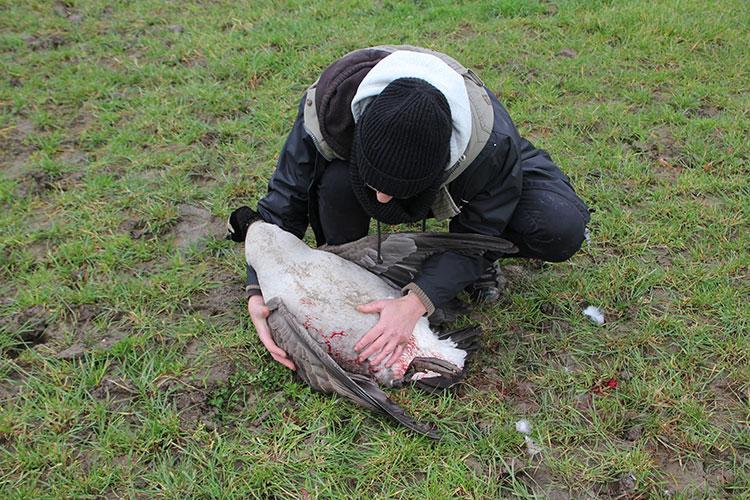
(403, 253)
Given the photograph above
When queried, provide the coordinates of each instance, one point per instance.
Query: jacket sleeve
(444, 275)
(286, 203)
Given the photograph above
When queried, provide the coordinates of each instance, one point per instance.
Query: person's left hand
(392, 332)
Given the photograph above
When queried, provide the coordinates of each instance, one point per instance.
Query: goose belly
(322, 291)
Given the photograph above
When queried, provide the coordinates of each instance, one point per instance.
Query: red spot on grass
(602, 388)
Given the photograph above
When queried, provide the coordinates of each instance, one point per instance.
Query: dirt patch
(39, 249)
(523, 397)
(624, 487)
(569, 53)
(666, 171)
(74, 158)
(66, 10)
(679, 478)
(117, 391)
(705, 110)
(136, 228)
(663, 256)
(550, 9)
(464, 31)
(568, 362)
(48, 42)
(29, 327)
(223, 299)
(659, 145)
(633, 432)
(83, 121)
(212, 392)
(195, 225)
(94, 328)
(14, 151)
(209, 139)
(39, 183)
(201, 179)
(515, 276)
(542, 482)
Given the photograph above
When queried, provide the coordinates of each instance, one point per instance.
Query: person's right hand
(256, 306)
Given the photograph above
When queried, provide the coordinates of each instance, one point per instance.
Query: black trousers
(548, 223)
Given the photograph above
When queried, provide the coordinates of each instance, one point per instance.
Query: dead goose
(313, 294)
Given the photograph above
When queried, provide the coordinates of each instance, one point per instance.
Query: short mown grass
(129, 367)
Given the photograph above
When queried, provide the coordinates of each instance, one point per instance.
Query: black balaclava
(401, 148)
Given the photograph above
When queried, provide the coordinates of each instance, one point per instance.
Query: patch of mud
(705, 110)
(623, 487)
(39, 183)
(721, 388)
(663, 300)
(9, 390)
(226, 298)
(474, 465)
(29, 327)
(688, 477)
(568, 53)
(633, 431)
(567, 362)
(74, 158)
(48, 42)
(666, 171)
(550, 9)
(523, 397)
(662, 148)
(542, 482)
(94, 329)
(211, 392)
(209, 139)
(663, 256)
(516, 275)
(14, 150)
(150, 175)
(66, 10)
(39, 249)
(463, 32)
(201, 179)
(83, 121)
(117, 391)
(136, 229)
(195, 225)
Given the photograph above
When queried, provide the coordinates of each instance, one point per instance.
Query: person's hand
(398, 317)
(256, 306)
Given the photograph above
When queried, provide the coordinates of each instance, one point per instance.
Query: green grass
(114, 114)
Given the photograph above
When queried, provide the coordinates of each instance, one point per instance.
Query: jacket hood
(337, 87)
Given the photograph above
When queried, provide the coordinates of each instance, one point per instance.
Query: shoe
(489, 287)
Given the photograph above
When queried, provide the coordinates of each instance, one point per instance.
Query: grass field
(128, 367)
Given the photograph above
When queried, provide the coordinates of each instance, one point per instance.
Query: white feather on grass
(595, 314)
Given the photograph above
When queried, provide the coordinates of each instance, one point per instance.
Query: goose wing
(323, 374)
(402, 254)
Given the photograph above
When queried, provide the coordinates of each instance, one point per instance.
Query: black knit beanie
(403, 138)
